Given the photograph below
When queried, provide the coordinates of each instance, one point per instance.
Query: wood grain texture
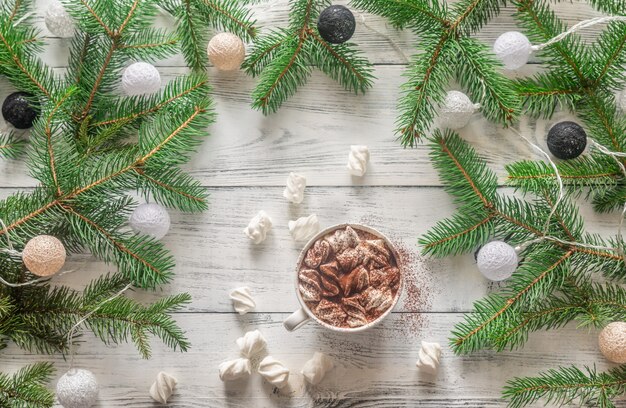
(244, 163)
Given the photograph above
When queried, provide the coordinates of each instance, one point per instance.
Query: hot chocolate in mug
(366, 240)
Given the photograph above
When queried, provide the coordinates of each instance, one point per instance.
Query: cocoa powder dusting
(417, 278)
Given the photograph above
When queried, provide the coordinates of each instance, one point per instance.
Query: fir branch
(567, 385)
(26, 388)
(11, 146)
(193, 16)
(282, 59)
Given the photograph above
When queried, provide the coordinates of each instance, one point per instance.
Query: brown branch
(129, 16)
(564, 176)
(248, 29)
(109, 32)
(511, 301)
(151, 110)
(48, 133)
(20, 65)
(119, 245)
(98, 81)
(266, 52)
(336, 55)
(16, 8)
(150, 45)
(479, 194)
(168, 187)
(69, 196)
(458, 234)
(292, 61)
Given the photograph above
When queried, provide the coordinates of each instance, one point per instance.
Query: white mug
(303, 315)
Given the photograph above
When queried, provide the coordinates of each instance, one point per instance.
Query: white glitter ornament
(141, 78)
(612, 342)
(513, 49)
(497, 260)
(58, 20)
(226, 51)
(44, 255)
(150, 219)
(457, 110)
(77, 388)
(163, 388)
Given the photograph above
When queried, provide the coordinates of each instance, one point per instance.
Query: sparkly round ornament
(44, 255)
(497, 260)
(457, 110)
(226, 51)
(58, 20)
(612, 342)
(77, 388)
(336, 24)
(513, 49)
(19, 110)
(150, 219)
(567, 140)
(141, 78)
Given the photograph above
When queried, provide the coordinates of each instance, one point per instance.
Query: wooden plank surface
(244, 163)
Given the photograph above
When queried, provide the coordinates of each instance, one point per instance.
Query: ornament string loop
(391, 42)
(577, 27)
(72, 331)
(556, 173)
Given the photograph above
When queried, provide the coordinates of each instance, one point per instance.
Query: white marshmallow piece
(429, 356)
(304, 228)
(251, 344)
(274, 372)
(358, 159)
(235, 369)
(163, 388)
(242, 300)
(258, 227)
(294, 192)
(316, 368)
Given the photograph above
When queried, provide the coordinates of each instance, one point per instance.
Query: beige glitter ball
(612, 342)
(44, 255)
(226, 51)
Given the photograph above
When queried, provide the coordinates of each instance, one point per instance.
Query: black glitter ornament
(567, 140)
(336, 24)
(19, 110)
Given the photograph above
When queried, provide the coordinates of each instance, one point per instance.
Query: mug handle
(296, 320)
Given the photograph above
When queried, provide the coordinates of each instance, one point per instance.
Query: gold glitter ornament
(226, 51)
(612, 342)
(44, 255)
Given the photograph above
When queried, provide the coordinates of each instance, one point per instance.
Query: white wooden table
(244, 164)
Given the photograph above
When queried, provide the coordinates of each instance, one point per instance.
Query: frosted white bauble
(457, 110)
(44, 255)
(612, 342)
(497, 260)
(226, 51)
(141, 78)
(513, 49)
(58, 20)
(77, 389)
(150, 219)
